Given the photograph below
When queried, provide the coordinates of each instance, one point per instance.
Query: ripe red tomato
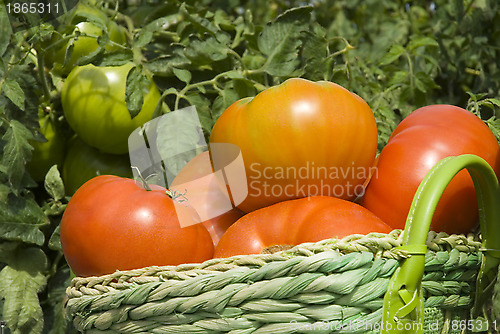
(297, 221)
(426, 136)
(300, 139)
(199, 186)
(112, 224)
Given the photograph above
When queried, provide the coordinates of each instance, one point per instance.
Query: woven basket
(411, 281)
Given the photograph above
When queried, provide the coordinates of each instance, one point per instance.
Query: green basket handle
(403, 301)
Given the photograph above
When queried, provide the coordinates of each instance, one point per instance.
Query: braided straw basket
(411, 281)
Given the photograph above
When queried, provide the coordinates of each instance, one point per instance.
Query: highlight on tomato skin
(293, 222)
(112, 224)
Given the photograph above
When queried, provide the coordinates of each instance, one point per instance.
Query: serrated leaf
(182, 75)
(394, 53)
(54, 184)
(21, 219)
(136, 88)
(207, 50)
(280, 41)
(14, 92)
(422, 41)
(20, 284)
(16, 152)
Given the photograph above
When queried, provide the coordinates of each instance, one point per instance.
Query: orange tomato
(300, 139)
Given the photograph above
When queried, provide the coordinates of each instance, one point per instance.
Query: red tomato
(112, 224)
(199, 186)
(297, 221)
(426, 136)
(300, 139)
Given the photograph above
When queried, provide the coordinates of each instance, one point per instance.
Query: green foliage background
(397, 55)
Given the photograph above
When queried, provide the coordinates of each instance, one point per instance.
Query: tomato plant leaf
(182, 75)
(20, 284)
(14, 92)
(136, 88)
(227, 97)
(494, 125)
(399, 78)
(16, 152)
(21, 219)
(202, 24)
(55, 239)
(394, 53)
(164, 65)
(280, 41)
(421, 41)
(208, 49)
(314, 54)
(54, 184)
(55, 318)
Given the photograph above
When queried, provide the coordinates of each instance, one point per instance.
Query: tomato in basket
(421, 140)
(300, 139)
(293, 222)
(112, 224)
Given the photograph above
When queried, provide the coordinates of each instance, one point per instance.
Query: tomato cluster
(308, 151)
(92, 101)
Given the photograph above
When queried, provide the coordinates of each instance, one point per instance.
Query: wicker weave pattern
(315, 287)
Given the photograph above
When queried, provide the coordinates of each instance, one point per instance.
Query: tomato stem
(142, 179)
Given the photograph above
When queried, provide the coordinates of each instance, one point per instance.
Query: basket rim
(381, 245)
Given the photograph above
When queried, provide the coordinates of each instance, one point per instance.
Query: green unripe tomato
(93, 100)
(48, 153)
(84, 162)
(85, 34)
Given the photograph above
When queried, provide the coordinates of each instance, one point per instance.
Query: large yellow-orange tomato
(300, 139)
